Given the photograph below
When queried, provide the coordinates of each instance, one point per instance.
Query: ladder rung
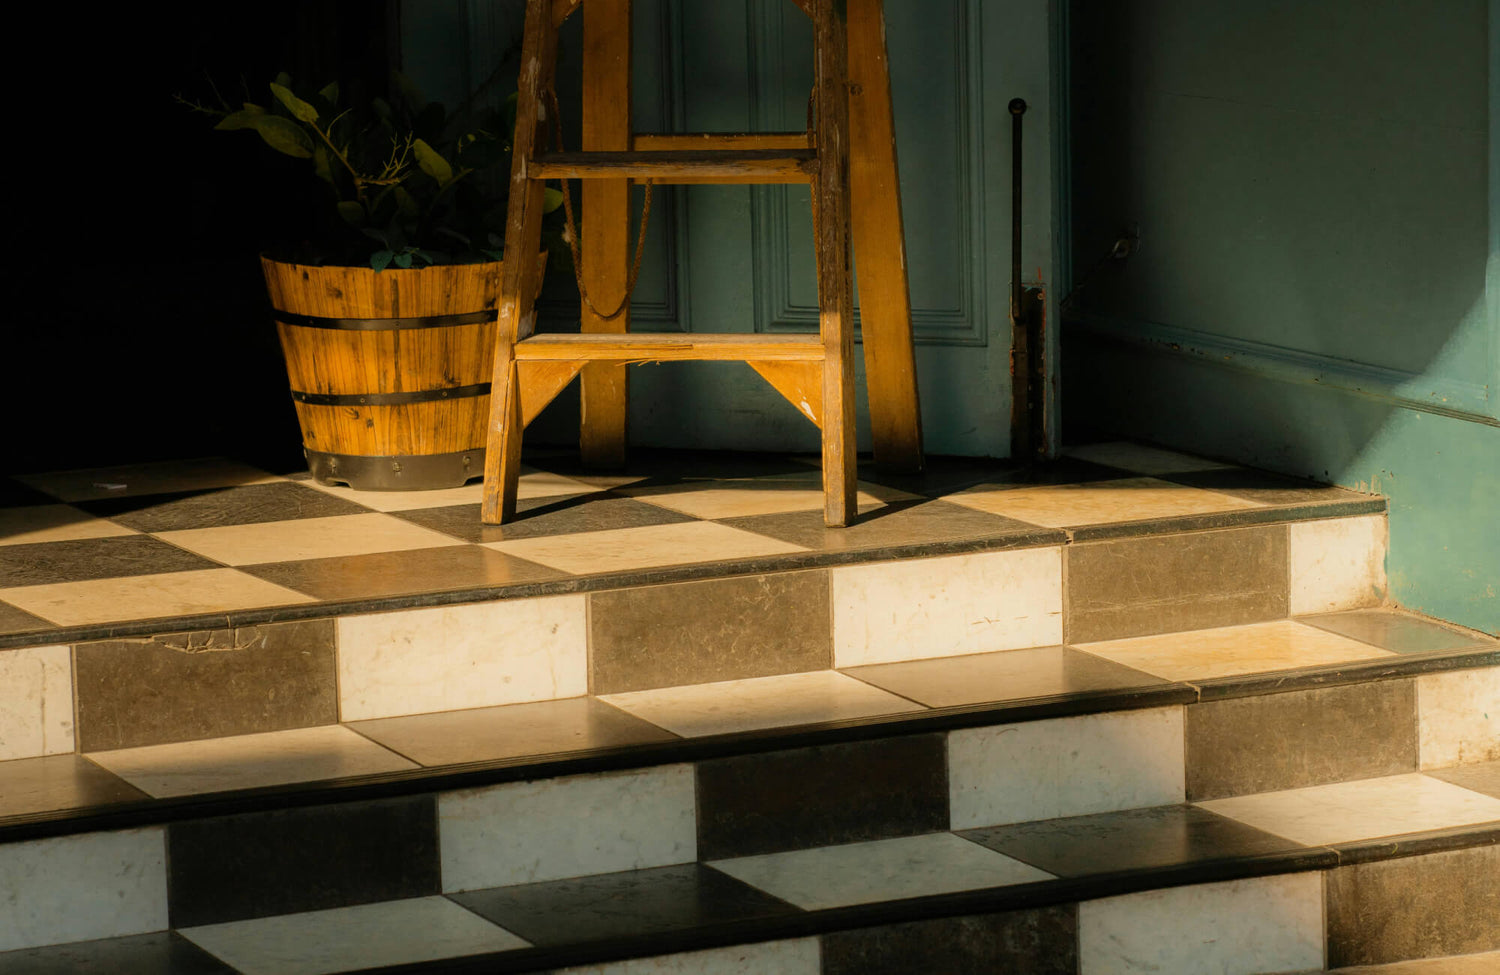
(739, 142)
(669, 347)
(681, 166)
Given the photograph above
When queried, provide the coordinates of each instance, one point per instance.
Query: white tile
(1224, 651)
(36, 702)
(1459, 717)
(1360, 810)
(1338, 563)
(1265, 924)
(1140, 459)
(468, 656)
(150, 596)
(53, 523)
(798, 957)
(531, 484)
(759, 702)
(523, 832)
(777, 494)
(307, 538)
(249, 761)
(942, 607)
(645, 547)
(1096, 502)
(1065, 767)
(878, 870)
(134, 480)
(77, 888)
(346, 938)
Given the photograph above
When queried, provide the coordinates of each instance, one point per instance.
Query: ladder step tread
(669, 346)
(776, 165)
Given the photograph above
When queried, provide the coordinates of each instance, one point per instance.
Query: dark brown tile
(1415, 907)
(900, 524)
(1136, 839)
(1265, 487)
(1393, 631)
(1038, 942)
(717, 629)
(45, 563)
(1009, 675)
(822, 796)
(1481, 777)
(245, 504)
(1162, 584)
(232, 868)
(1286, 741)
(402, 573)
(159, 953)
(14, 494)
(663, 466)
(511, 731)
(546, 516)
(635, 903)
(14, 620)
(32, 785)
(206, 684)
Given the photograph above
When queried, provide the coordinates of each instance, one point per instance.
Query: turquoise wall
(1315, 189)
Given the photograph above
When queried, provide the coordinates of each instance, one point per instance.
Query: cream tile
(878, 870)
(759, 702)
(647, 547)
(466, 656)
(552, 829)
(777, 494)
(132, 480)
(53, 523)
(36, 702)
(1360, 810)
(1484, 963)
(1065, 767)
(942, 607)
(249, 761)
(78, 888)
(799, 957)
(1231, 650)
(1459, 717)
(1141, 459)
(421, 929)
(1096, 502)
(146, 597)
(307, 538)
(532, 484)
(1338, 563)
(1264, 924)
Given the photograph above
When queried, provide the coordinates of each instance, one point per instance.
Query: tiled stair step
(1174, 889)
(1337, 748)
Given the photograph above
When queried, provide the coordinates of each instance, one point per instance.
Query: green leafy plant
(410, 184)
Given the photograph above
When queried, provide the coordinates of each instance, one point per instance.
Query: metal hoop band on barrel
(391, 399)
(421, 472)
(385, 324)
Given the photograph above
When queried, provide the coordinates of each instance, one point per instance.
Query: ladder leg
(606, 244)
(835, 297)
(518, 283)
(879, 246)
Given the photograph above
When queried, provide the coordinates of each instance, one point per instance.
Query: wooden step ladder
(814, 372)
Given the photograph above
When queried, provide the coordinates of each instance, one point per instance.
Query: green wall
(1315, 188)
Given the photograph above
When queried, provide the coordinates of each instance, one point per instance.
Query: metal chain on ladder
(572, 229)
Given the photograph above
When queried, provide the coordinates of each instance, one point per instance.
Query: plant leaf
(432, 162)
(402, 259)
(322, 164)
(284, 80)
(284, 135)
(300, 109)
(380, 259)
(330, 92)
(352, 212)
(551, 199)
(243, 119)
(406, 204)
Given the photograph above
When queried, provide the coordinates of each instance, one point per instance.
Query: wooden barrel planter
(389, 370)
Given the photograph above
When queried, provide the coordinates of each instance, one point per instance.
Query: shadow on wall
(1307, 190)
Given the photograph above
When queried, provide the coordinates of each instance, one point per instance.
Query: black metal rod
(1017, 109)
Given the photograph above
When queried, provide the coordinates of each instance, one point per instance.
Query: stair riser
(254, 864)
(274, 676)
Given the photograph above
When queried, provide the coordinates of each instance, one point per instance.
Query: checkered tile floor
(91, 548)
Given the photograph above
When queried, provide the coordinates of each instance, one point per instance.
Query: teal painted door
(739, 259)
